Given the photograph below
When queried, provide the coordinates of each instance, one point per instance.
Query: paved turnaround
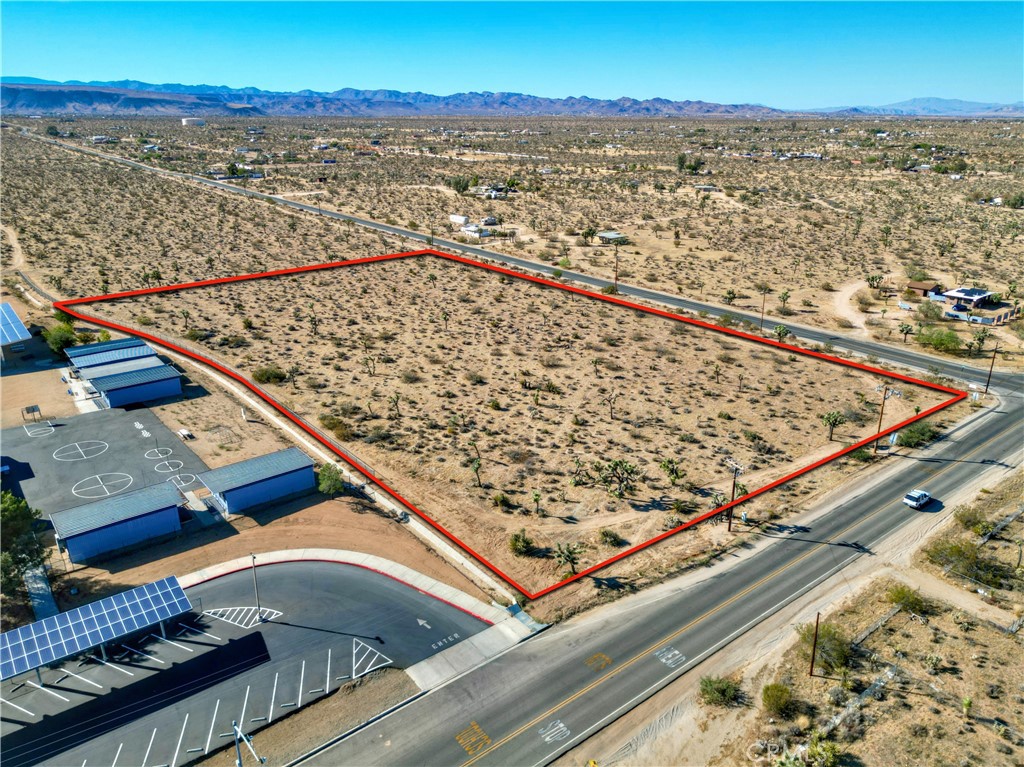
(545, 696)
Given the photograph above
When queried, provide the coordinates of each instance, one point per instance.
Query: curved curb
(405, 575)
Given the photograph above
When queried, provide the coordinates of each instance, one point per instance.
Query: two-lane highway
(540, 699)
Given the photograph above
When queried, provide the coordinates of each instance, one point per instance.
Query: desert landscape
(496, 404)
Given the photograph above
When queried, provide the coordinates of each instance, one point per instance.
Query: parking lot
(65, 462)
(168, 701)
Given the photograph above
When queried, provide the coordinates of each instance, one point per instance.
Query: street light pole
(764, 297)
(256, 588)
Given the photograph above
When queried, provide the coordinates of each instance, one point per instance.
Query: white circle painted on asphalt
(158, 452)
(166, 467)
(38, 430)
(80, 451)
(102, 485)
(182, 480)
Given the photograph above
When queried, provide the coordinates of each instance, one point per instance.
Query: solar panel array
(66, 634)
(12, 329)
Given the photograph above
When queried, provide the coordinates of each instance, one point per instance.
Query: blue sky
(789, 55)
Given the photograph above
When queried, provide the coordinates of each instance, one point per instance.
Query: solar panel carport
(12, 329)
(62, 636)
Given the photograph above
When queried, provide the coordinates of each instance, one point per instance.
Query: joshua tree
(536, 502)
(610, 401)
(185, 315)
(784, 297)
(905, 329)
(475, 466)
(781, 332)
(568, 554)
(832, 419)
(618, 477)
(393, 401)
(444, 318)
(671, 468)
(874, 281)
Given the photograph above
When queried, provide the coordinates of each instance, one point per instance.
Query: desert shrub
(60, 337)
(501, 501)
(907, 599)
(964, 557)
(861, 455)
(232, 342)
(379, 434)
(494, 405)
(833, 646)
(475, 378)
(777, 699)
(940, 340)
(519, 543)
(719, 691)
(269, 374)
(969, 517)
(410, 376)
(197, 334)
(611, 538)
(917, 434)
(610, 290)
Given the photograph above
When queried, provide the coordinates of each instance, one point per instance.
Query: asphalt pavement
(160, 700)
(545, 696)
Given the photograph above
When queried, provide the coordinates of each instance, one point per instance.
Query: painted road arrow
(423, 623)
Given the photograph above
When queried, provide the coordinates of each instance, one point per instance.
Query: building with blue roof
(94, 530)
(83, 362)
(274, 477)
(137, 386)
(101, 346)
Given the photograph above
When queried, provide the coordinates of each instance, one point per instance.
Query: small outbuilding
(612, 238)
(98, 529)
(257, 481)
(84, 350)
(131, 388)
(924, 287)
(108, 356)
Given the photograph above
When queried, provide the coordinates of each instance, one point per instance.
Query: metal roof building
(107, 356)
(136, 386)
(128, 366)
(95, 529)
(257, 481)
(12, 329)
(101, 346)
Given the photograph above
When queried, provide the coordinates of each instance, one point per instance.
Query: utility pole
(764, 297)
(256, 588)
(814, 646)
(736, 471)
(616, 267)
(881, 411)
(990, 367)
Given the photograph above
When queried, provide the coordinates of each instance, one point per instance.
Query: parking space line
(117, 668)
(327, 682)
(87, 681)
(199, 631)
(146, 757)
(302, 678)
(177, 748)
(117, 755)
(212, 722)
(258, 719)
(144, 654)
(168, 641)
(245, 702)
(54, 694)
(15, 705)
(273, 697)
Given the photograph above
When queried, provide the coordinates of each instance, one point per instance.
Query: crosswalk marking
(365, 659)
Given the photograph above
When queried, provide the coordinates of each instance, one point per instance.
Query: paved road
(545, 696)
(898, 354)
(170, 702)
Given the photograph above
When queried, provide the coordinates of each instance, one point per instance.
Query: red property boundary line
(65, 306)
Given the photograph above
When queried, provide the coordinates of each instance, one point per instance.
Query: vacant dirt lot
(495, 404)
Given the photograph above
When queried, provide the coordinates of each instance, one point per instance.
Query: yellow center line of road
(644, 653)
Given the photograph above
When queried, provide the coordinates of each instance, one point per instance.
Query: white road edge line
(327, 682)
(150, 746)
(168, 641)
(302, 677)
(117, 755)
(639, 697)
(177, 748)
(273, 697)
(79, 676)
(245, 703)
(15, 705)
(54, 694)
(212, 722)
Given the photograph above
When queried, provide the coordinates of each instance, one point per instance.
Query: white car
(915, 499)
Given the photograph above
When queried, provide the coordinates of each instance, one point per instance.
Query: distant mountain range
(29, 95)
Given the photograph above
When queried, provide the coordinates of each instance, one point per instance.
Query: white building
(194, 121)
(457, 219)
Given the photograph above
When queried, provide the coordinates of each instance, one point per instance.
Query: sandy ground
(671, 728)
(487, 376)
(315, 521)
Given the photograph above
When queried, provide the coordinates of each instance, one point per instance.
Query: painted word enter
(447, 640)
